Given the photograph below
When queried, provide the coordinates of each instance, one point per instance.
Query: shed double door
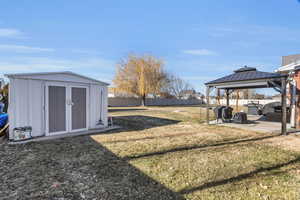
(66, 107)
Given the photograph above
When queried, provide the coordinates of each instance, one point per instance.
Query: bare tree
(177, 87)
(140, 75)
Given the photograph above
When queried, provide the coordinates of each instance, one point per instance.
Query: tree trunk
(144, 100)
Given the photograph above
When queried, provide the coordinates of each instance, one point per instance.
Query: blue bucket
(3, 119)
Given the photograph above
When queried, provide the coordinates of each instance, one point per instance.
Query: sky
(199, 40)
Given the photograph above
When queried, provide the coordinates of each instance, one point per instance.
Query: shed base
(53, 137)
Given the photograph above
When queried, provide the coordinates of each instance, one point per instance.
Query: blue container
(3, 119)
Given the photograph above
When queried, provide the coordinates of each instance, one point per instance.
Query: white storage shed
(56, 103)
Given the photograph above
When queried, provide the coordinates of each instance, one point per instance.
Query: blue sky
(198, 40)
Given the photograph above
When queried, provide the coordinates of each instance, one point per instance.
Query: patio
(256, 123)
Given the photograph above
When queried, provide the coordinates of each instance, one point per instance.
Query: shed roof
(245, 74)
(63, 76)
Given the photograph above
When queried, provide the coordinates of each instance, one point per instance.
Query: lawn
(159, 153)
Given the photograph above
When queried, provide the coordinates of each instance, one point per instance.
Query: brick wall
(296, 77)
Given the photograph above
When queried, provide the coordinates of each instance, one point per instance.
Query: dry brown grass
(290, 142)
(160, 153)
(200, 161)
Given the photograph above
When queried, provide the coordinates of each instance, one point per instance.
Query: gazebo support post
(283, 105)
(207, 104)
(227, 97)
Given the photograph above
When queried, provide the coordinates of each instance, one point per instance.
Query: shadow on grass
(238, 178)
(126, 109)
(73, 168)
(198, 147)
(273, 117)
(141, 122)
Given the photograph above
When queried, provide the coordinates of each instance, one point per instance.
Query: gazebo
(250, 78)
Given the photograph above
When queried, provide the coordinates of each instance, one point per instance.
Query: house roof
(289, 67)
(290, 59)
(289, 63)
(245, 74)
(38, 75)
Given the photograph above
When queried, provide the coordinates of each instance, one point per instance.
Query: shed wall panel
(95, 109)
(36, 107)
(105, 106)
(11, 107)
(26, 105)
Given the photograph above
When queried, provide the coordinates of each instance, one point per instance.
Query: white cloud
(99, 68)
(23, 49)
(200, 52)
(44, 64)
(10, 33)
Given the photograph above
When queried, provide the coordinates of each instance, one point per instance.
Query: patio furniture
(227, 114)
(218, 112)
(240, 118)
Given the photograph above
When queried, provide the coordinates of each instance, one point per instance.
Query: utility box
(22, 133)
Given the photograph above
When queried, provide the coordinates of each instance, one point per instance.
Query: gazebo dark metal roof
(245, 74)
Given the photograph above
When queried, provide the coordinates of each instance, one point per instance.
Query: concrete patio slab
(45, 138)
(256, 123)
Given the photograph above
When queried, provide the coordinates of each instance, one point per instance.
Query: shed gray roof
(245, 74)
(40, 74)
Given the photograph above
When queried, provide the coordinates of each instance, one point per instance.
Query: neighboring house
(190, 94)
(291, 66)
(114, 92)
(55, 103)
(276, 97)
(111, 92)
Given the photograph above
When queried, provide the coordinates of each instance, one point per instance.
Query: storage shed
(56, 103)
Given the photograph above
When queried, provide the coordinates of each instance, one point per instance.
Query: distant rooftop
(289, 63)
(286, 60)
